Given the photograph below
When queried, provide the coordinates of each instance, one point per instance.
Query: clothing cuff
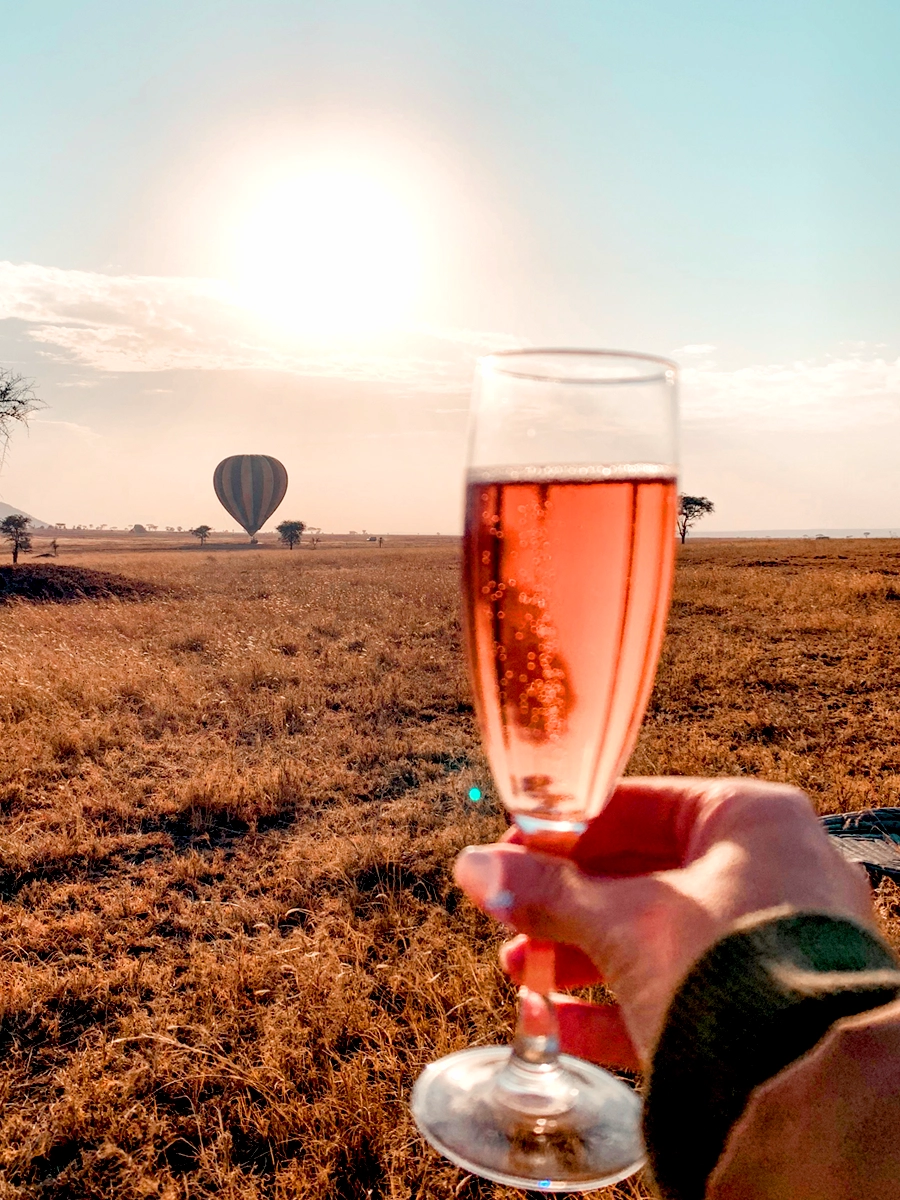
(756, 1001)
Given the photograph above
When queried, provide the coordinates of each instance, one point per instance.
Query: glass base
(589, 1139)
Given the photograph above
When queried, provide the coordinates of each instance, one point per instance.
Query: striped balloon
(250, 487)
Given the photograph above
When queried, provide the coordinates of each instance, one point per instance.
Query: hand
(663, 873)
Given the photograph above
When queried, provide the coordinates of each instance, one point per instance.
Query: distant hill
(7, 510)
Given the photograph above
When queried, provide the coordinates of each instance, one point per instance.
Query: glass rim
(657, 368)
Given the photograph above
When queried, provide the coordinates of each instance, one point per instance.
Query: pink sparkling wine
(566, 589)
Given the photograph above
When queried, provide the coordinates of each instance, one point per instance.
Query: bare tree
(690, 510)
(14, 529)
(17, 402)
(202, 532)
(290, 532)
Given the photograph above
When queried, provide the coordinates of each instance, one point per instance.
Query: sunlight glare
(329, 252)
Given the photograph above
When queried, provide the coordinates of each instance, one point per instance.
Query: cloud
(71, 427)
(831, 394)
(138, 323)
(128, 323)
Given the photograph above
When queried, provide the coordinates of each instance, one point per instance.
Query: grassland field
(229, 940)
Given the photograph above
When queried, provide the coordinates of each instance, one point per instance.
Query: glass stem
(537, 1029)
(533, 1083)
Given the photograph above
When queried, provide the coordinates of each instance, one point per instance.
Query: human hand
(665, 871)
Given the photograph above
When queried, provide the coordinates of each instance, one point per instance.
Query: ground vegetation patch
(50, 583)
(229, 939)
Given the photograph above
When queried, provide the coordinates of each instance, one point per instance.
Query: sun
(329, 251)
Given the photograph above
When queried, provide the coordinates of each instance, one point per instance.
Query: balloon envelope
(250, 487)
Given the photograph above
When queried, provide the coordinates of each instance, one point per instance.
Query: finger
(651, 825)
(596, 1032)
(551, 899)
(573, 967)
(645, 826)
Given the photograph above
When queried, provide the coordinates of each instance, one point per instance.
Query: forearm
(756, 1003)
(827, 1126)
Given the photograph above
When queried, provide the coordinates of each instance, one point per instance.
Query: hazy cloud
(71, 427)
(836, 393)
(131, 323)
(127, 323)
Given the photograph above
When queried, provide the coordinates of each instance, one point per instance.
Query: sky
(291, 227)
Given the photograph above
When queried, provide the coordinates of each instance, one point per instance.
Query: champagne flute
(568, 558)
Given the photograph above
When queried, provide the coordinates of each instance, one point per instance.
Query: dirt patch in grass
(50, 584)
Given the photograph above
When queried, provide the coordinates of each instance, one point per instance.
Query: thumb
(546, 896)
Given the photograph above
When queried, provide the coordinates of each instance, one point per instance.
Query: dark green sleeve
(756, 1001)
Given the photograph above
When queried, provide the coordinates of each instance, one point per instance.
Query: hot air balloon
(250, 487)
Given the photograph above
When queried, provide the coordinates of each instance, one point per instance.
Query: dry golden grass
(229, 939)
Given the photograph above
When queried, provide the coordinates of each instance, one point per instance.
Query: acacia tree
(17, 401)
(14, 529)
(290, 532)
(690, 510)
(202, 532)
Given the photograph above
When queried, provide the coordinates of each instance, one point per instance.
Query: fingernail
(479, 873)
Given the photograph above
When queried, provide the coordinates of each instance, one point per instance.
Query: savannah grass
(228, 811)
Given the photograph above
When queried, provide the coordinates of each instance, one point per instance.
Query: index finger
(644, 827)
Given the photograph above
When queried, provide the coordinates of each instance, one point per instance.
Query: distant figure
(380, 542)
(54, 546)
